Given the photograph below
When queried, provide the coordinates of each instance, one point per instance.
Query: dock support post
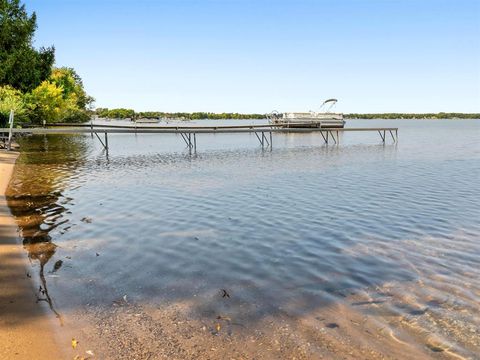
(264, 139)
(187, 138)
(91, 128)
(106, 142)
(332, 136)
(10, 131)
(184, 138)
(382, 136)
(258, 137)
(391, 134)
(271, 141)
(324, 138)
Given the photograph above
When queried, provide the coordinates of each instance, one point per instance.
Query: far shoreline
(346, 117)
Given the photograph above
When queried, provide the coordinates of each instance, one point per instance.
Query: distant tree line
(115, 113)
(441, 115)
(131, 114)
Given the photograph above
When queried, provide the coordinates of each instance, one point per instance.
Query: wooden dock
(189, 134)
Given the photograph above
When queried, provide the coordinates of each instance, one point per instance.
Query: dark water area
(390, 231)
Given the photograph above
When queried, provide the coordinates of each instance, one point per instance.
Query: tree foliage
(29, 84)
(21, 65)
(72, 85)
(129, 113)
(59, 98)
(47, 102)
(10, 99)
(115, 113)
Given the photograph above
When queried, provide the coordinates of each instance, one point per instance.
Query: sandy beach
(26, 331)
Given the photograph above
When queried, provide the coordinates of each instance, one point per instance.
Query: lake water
(360, 248)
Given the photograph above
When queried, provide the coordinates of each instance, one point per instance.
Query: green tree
(21, 65)
(72, 85)
(10, 99)
(60, 98)
(47, 102)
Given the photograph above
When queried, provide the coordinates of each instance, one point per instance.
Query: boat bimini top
(328, 104)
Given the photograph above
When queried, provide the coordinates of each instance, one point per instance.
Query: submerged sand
(130, 330)
(25, 329)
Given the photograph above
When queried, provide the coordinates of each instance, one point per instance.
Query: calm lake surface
(391, 232)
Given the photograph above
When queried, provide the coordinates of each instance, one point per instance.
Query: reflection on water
(37, 201)
(343, 236)
(43, 252)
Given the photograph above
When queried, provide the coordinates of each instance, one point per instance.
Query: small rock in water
(97, 254)
(86, 220)
(418, 312)
(435, 348)
(332, 325)
(57, 265)
(225, 293)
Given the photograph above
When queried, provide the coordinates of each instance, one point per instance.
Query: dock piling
(323, 136)
(10, 130)
(333, 137)
(187, 138)
(382, 136)
(391, 134)
(106, 142)
(263, 139)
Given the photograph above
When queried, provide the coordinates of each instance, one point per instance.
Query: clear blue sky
(260, 55)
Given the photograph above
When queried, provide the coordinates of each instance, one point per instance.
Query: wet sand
(26, 331)
(129, 330)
